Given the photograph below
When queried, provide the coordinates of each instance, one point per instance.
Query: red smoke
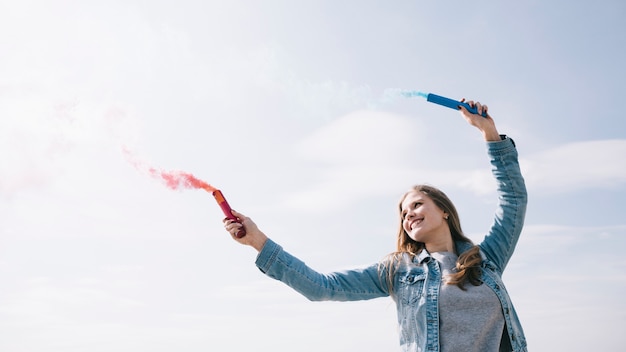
(172, 179)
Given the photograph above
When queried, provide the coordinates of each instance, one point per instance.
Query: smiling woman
(277, 102)
(430, 221)
(448, 292)
(424, 221)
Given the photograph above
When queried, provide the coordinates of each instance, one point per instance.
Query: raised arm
(500, 241)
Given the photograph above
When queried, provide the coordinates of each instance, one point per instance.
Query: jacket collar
(460, 247)
(423, 256)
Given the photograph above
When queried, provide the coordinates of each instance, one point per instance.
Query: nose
(410, 214)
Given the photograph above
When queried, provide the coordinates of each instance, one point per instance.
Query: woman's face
(422, 219)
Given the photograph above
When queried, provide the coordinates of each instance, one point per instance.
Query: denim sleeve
(349, 285)
(500, 242)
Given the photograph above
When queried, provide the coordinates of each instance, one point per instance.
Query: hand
(486, 125)
(254, 237)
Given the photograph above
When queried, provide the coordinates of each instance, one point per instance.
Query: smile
(415, 223)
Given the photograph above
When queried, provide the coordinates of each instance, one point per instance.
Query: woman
(448, 292)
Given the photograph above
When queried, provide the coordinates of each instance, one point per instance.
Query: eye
(412, 206)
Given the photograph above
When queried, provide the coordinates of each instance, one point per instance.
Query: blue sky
(282, 105)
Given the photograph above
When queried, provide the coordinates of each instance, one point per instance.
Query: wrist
(259, 242)
(491, 136)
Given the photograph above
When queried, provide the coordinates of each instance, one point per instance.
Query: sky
(283, 106)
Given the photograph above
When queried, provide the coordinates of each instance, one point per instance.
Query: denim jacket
(417, 279)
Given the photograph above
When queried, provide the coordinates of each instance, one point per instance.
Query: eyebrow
(413, 201)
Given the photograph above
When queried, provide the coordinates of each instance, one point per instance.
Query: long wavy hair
(468, 264)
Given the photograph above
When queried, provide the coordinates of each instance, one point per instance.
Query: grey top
(470, 320)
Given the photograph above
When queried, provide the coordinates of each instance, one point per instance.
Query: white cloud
(364, 154)
(360, 154)
(363, 138)
(557, 261)
(554, 238)
(577, 166)
(570, 167)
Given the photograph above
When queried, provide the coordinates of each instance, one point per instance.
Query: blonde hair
(468, 263)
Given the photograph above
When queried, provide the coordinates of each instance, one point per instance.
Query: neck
(443, 244)
(432, 249)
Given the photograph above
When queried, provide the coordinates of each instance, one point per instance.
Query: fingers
(235, 226)
(485, 123)
(240, 218)
(466, 114)
(480, 108)
(238, 214)
(232, 226)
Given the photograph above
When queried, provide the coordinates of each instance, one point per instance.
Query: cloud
(570, 167)
(364, 153)
(559, 236)
(357, 155)
(44, 301)
(577, 166)
(362, 138)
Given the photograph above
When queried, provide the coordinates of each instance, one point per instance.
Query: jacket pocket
(411, 287)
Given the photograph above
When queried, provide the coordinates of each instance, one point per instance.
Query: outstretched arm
(348, 285)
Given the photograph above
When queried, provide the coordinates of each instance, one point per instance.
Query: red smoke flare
(177, 179)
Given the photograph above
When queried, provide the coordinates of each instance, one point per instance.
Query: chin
(415, 238)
